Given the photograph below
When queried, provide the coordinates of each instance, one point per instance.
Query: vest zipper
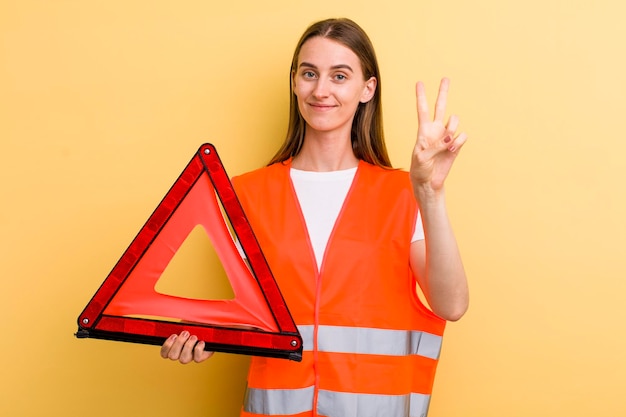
(318, 287)
(318, 276)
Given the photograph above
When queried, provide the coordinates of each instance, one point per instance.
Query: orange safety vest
(370, 346)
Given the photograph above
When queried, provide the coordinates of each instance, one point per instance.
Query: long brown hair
(368, 142)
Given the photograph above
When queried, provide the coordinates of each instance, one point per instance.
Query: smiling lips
(322, 107)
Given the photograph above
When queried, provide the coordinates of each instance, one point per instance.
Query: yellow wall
(103, 103)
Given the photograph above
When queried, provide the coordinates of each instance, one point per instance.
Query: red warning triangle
(127, 307)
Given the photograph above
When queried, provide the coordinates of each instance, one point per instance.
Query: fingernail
(185, 333)
(447, 139)
(452, 148)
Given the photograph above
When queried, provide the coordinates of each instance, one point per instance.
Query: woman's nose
(322, 88)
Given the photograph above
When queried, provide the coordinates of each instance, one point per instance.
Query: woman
(342, 233)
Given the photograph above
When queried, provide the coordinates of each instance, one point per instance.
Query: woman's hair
(367, 135)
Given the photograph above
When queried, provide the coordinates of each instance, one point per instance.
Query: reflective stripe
(278, 401)
(307, 336)
(342, 404)
(341, 339)
(419, 405)
(335, 404)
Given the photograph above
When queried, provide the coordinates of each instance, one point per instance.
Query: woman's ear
(369, 90)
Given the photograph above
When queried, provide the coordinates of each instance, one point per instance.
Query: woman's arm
(436, 261)
(437, 264)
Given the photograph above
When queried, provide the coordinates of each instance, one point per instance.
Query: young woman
(347, 237)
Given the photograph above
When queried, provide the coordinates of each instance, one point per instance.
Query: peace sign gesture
(437, 143)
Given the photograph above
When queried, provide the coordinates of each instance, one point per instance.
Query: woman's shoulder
(386, 174)
(260, 175)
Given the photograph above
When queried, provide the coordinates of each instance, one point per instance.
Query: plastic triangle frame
(127, 308)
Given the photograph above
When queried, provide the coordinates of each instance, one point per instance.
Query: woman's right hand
(437, 144)
(184, 348)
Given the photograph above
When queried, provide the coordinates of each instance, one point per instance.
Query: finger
(446, 143)
(422, 102)
(177, 347)
(186, 355)
(453, 124)
(167, 346)
(458, 142)
(442, 99)
(199, 354)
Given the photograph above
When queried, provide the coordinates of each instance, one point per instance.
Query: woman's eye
(308, 74)
(340, 77)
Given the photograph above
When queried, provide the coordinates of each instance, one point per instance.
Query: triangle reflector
(127, 307)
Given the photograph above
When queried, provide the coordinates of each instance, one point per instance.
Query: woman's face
(329, 84)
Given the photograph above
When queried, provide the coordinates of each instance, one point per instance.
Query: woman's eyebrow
(339, 66)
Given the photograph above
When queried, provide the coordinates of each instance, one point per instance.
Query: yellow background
(104, 102)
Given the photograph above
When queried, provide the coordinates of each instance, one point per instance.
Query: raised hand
(437, 143)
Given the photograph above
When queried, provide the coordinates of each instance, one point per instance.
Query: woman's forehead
(324, 52)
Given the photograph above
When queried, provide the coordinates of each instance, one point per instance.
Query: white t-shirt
(321, 196)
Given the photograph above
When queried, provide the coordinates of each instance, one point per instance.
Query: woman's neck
(323, 153)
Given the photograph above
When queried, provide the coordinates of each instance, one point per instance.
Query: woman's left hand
(437, 143)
